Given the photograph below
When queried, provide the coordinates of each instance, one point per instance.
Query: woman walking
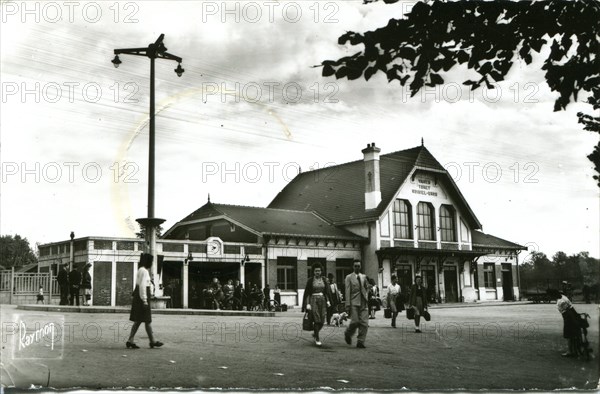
(418, 301)
(317, 298)
(393, 298)
(140, 307)
(374, 300)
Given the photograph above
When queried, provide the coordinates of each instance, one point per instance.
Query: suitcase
(387, 313)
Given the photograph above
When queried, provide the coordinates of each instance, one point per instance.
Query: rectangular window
(172, 247)
(250, 249)
(125, 245)
(231, 249)
(286, 273)
(103, 245)
(447, 226)
(402, 219)
(464, 232)
(384, 225)
(489, 275)
(425, 221)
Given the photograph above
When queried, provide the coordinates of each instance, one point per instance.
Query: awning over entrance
(440, 256)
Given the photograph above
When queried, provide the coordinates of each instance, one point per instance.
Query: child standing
(40, 295)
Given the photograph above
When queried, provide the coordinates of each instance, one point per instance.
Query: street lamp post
(157, 50)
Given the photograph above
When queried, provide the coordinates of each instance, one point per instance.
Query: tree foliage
(487, 37)
(16, 251)
(142, 233)
(539, 272)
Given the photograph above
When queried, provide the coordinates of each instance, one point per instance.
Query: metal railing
(28, 283)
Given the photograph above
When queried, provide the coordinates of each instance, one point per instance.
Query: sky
(250, 111)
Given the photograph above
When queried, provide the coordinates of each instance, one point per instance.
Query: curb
(108, 309)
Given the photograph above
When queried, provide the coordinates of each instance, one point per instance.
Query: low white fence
(14, 285)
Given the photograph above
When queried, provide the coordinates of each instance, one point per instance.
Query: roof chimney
(372, 183)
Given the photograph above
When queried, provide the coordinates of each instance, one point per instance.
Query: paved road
(504, 347)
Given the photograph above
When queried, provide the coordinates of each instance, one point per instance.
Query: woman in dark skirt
(317, 298)
(571, 327)
(418, 301)
(140, 306)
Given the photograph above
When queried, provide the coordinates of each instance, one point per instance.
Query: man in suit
(74, 283)
(63, 284)
(357, 306)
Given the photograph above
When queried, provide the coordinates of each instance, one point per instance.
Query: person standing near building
(40, 295)
(418, 301)
(317, 299)
(357, 298)
(63, 284)
(228, 290)
(74, 284)
(335, 297)
(140, 306)
(267, 296)
(374, 300)
(238, 295)
(277, 295)
(86, 285)
(393, 297)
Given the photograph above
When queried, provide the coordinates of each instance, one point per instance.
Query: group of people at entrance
(321, 296)
(233, 295)
(74, 284)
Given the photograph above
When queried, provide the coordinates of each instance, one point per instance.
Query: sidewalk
(479, 303)
(207, 312)
(125, 309)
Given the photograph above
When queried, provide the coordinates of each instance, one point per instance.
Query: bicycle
(582, 345)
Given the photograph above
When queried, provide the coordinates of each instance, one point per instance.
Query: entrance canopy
(438, 255)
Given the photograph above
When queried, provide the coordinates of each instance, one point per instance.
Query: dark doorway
(450, 284)
(101, 285)
(124, 282)
(172, 282)
(428, 275)
(201, 275)
(252, 274)
(507, 282)
(405, 279)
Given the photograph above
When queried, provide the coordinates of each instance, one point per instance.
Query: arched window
(402, 219)
(426, 221)
(447, 223)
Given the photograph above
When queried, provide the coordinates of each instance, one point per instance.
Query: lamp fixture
(245, 260)
(179, 70)
(116, 61)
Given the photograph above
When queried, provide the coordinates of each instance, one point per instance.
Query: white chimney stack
(372, 183)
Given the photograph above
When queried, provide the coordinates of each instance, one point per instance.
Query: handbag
(387, 313)
(410, 314)
(399, 303)
(307, 322)
(426, 315)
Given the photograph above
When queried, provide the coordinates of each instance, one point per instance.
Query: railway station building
(399, 213)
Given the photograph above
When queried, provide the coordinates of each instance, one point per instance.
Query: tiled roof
(337, 193)
(482, 240)
(270, 221)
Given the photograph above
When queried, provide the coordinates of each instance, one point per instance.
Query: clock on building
(213, 248)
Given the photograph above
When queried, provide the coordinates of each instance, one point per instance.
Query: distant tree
(589, 268)
(488, 37)
(15, 251)
(142, 233)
